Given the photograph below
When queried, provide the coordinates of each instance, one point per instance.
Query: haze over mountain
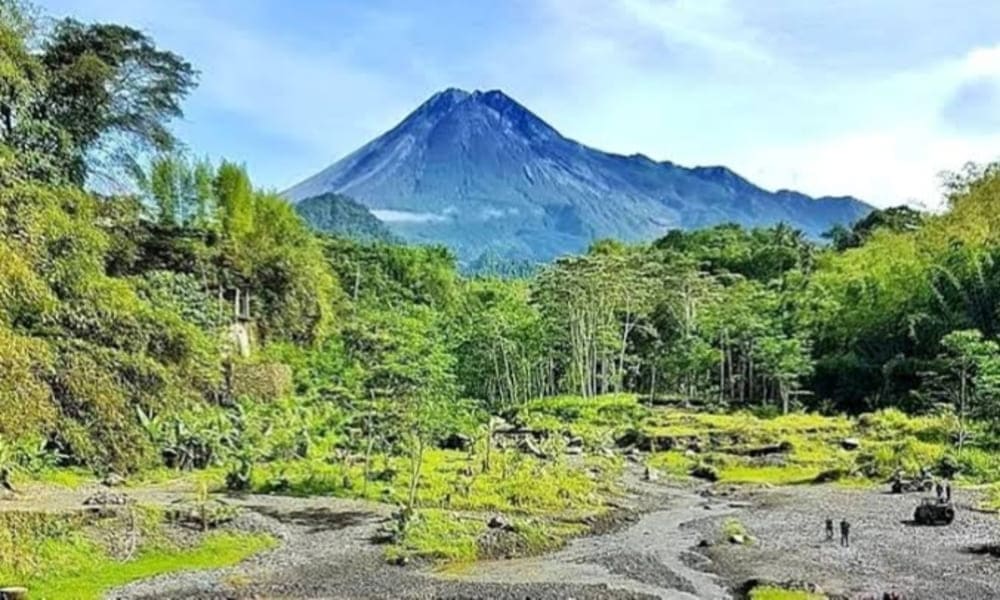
(480, 173)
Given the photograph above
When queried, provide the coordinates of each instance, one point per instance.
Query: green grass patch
(598, 421)
(790, 474)
(80, 573)
(63, 557)
(672, 462)
(515, 483)
(69, 478)
(770, 592)
(451, 537)
(732, 528)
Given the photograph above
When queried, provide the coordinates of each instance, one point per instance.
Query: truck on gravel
(932, 512)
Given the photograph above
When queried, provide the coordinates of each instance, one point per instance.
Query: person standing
(829, 530)
(845, 534)
(939, 489)
(947, 492)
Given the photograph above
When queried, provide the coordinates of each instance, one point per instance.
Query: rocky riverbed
(887, 553)
(670, 547)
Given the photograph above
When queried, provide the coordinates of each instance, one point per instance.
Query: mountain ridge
(480, 172)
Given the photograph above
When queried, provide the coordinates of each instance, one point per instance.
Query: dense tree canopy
(121, 312)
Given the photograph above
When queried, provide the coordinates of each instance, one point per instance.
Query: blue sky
(866, 97)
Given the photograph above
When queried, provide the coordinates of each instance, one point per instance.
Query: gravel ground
(327, 552)
(887, 552)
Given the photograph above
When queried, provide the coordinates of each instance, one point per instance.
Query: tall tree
(113, 91)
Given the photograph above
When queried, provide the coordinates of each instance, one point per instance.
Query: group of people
(943, 491)
(845, 532)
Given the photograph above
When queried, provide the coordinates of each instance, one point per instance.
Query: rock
(107, 499)
(850, 443)
(575, 442)
(13, 593)
(706, 472)
(528, 447)
(501, 425)
(703, 543)
(650, 475)
(456, 441)
(401, 561)
(631, 437)
(608, 452)
(113, 480)
(758, 451)
(830, 475)
(737, 538)
(574, 450)
(387, 474)
(498, 522)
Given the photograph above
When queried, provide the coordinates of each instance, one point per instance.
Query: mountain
(340, 215)
(482, 174)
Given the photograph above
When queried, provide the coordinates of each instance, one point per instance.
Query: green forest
(159, 313)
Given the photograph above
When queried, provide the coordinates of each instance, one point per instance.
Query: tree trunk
(416, 462)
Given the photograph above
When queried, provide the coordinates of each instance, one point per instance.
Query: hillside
(481, 173)
(340, 215)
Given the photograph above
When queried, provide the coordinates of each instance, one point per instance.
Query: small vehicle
(931, 512)
(905, 486)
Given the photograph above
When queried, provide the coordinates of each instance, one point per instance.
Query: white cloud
(404, 216)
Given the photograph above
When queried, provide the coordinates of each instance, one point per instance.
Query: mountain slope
(481, 173)
(340, 215)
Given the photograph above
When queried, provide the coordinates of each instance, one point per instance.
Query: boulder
(498, 522)
(574, 450)
(113, 480)
(706, 472)
(456, 441)
(850, 443)
(575, 442)
(528, 447)
(650, 475)
(107, 499)
(738, 539)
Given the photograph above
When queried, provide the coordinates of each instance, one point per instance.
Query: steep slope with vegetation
(336, 214)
